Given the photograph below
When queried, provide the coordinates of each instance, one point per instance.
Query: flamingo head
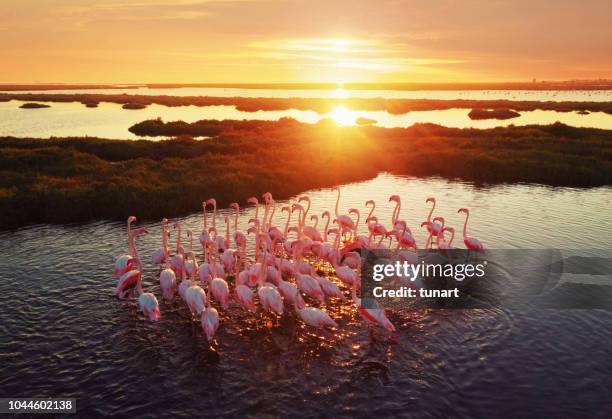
(452, 230)
(431, 199)
(441, 219)
(267, 196)
(164, 221)
(255, 221)
(296, 207)
(212, 201)
(304, 198)
(354, 211)
(370, 202)
(314, 217)
(212, 229)
(325, 214)
(292, 229)
(426, 223)
(235, 206)
(373, 218)
(467, 211)
(333, 231)
(140, 230)
(286, 208)
(227, 219)
(252, 200)
(251, 230)
(176, 225)
(131, 219)
(394, 198)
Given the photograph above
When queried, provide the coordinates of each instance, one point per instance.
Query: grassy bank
(393, 106)
(77, 179)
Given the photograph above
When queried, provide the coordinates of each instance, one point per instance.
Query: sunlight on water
(109, 120)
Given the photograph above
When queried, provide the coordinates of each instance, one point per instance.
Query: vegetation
(32, 105)
(394, 106)
(134, 106)
(77, 179)
(493, 114)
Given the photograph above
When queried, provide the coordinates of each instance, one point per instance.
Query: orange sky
(245, 41)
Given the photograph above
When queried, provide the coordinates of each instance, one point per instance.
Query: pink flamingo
(129, 280)
(374, 316)
(344, 273)
(158, 256)
(239, 237)
(441, 243)
(219, 289)
(314, 317)
(190, 264)
(344, 221)
(205, 240)
(242, 293)
(146, 300)
(269, 297)
(125, 263)
(253, 200)
(434, 227)
(210, 321)
(305, 282)
(470, 243)
(167, 277)
(178, 262)
(195, 297)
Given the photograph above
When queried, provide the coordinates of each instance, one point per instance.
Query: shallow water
(62, 333)
(545, 95)
(109, 120)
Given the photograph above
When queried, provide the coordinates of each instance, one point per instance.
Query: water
(63, 334)
(541, 95)
(109, 120)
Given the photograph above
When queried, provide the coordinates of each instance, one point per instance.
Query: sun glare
(343, 116)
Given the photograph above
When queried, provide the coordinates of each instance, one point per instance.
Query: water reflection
(109, 120)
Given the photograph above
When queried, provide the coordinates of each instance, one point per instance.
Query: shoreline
(323, 105)
(60, 180)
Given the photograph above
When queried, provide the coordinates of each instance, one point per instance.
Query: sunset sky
(136, 41)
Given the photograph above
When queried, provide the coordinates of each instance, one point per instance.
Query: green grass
(78, 179)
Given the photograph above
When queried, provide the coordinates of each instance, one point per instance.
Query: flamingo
(129, 280)
(470, 243)
(146, 300)
(210, 321)
(344, 273)
(441, 243)
(218, 287)
(374, 316)
(195, 297)
(167, 277)
(253, 200)
(178, 262)
(125, 263)
(344, 221)
(239, 237)
(190, 263)
(269, 297)
(242, 293)
(158, 257)
(434, 227)
(204, 238)
(314, 317)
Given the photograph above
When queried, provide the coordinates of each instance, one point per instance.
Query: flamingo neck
(205, 219)
(236, 219)
(272, 213)
(337, 202)
(431, 211)
(467, 215)
(396, 213)
(287, 223)
(178, 239)
(325, 232)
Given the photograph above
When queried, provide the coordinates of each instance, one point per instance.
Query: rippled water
(109, 120)
(545, 95)
(62, 333)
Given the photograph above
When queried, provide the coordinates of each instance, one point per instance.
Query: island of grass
(134, 106)
(34, 105)
(79, 179)
(480, 113)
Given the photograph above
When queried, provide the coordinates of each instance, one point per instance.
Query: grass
(77, 179)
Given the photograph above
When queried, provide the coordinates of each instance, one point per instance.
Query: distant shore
(601, 84)
(249, 104)
(61, 180)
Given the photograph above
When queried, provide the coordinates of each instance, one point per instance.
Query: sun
(343, 116)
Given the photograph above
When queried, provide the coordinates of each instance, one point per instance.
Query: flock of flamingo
(284, 272)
